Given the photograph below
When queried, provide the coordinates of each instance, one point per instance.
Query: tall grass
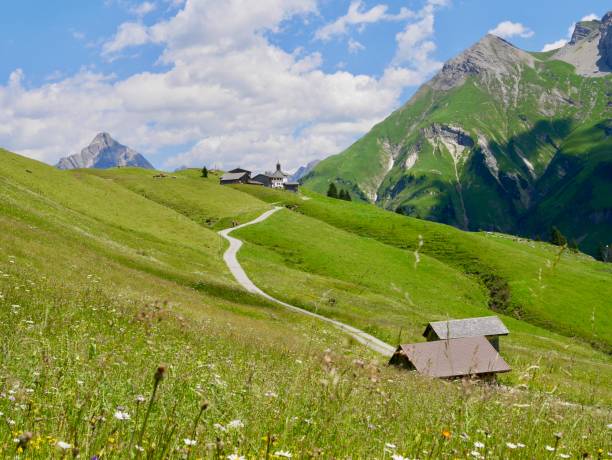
(80, 376)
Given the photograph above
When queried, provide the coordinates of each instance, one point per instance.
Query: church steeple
(278, 166)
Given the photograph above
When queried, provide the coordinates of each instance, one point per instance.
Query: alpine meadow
(439, 286)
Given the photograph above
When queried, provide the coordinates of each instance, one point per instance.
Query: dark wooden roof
(240, 170)
(233, 176)
(452, 358)
(470, 327)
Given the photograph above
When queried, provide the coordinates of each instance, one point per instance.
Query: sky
(228, 83)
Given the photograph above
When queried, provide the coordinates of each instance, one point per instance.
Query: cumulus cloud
(509, 29)
(415, 45)
(357, 15)
(227, 91)
(555, 45)
(129, 34)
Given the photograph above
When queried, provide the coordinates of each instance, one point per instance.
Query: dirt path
(232, 262)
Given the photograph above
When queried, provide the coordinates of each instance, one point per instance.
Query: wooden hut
(454, 358)
(490, 327)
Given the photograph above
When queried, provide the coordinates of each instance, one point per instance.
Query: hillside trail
(232, 263)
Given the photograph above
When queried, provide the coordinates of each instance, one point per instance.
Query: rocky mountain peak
(103, 140)
(590, 49)
(582, 30)
(491, 56)
(104, 152)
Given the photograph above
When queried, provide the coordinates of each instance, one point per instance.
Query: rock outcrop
(104, 152)
(605, 42)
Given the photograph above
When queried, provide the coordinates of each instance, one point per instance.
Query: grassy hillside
(200, 199)
(106, 276)
(561, 291)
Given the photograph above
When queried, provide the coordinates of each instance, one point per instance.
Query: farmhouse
(454, 358)
(235, 178)
(490, 327)
(277, 179)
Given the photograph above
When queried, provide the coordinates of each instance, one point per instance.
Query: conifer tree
(557, 238)
(204, 171)
(332, 191)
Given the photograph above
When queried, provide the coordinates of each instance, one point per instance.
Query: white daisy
(399, 457)
(511, 445)
(549, 448)
(235, 424)
(121, 415)
(283, 453)
(235, 457)
(190, 442)
(63, 445)
(478, 445)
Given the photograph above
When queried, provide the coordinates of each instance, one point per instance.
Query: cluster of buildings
(456, 348)
(277, 179)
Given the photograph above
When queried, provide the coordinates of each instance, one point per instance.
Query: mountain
(304, 170)
(500, 139)
(104, 152)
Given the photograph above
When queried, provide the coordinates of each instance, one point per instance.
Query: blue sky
(210, 82)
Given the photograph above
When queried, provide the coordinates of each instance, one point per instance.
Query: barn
(490, 327)
(454, 358)
(235, 178)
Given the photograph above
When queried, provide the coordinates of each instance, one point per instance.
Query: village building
(277, 179)
(235, 178)
(454, 358)
(490, 327)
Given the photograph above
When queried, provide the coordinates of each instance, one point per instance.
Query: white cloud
(228, 91)
(415, 45)
(357, 15)
(143, 9)
(509, 29)
(590, 17)
(354, 46)
(554, 45)
(129, 34)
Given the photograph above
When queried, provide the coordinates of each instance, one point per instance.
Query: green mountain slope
(536, 282)
(106, 275)
(491, 142)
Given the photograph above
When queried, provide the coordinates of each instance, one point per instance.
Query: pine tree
(347, 196)
(342, 194)
(557, 238)
(332, 191)
(605, 253)
(204, 171)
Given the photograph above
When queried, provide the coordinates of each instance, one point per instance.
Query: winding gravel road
(232, 262)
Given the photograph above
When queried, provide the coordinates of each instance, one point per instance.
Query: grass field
(559, 290)
(104, 276)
